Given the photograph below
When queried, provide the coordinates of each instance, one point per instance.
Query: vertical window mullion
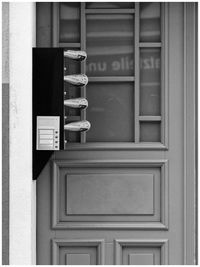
(55, 28)
(164, 73)
(83, 64)
(137, 74)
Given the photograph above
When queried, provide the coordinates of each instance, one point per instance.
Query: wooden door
(120, 193)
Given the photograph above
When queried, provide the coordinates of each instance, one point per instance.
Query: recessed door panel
(112, 194)
(103, 197)
(138, 256)
(77, 256)
(78, 251)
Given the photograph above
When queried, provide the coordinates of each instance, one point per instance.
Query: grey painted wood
(150, 118)
(158, 249)
(71, 45)
(5, 133)
(165, 73)
(110, 11)
(141, 44)
(93, 251)
(44, 25)
(137, 73)
(141, 258)
(83, 64)
(190, 133)
(168, 234)
(111, 79)
(104, 168)
(55, 28)
(5, 174)
(78, 259)
(99, 194)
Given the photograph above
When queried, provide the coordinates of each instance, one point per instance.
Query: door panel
(142, 252)
(78, 252)
(115, 194)
(122, 194)
(96, 194)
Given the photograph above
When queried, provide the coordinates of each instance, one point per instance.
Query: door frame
(22, 239)
(190, 132)
(18, 177)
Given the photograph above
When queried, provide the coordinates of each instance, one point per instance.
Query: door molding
(98, 243)
(190, 133)
(57, 223)
(162, 243)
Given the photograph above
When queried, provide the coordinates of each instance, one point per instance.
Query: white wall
(22, 189)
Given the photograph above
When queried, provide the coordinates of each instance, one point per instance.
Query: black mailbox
(50, 73)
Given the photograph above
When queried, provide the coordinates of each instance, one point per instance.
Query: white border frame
(22, 189)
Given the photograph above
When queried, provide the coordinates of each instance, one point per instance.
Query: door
(123, 192)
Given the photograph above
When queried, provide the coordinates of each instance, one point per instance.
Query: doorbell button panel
(48, 132)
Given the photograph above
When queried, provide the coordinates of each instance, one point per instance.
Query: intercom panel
(48, 131)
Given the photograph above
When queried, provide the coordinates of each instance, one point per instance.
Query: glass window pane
(110, 45)
(150, 81)
(150, 22)
(111, 112)
(110, 5)
(69, 22)
(150, 132)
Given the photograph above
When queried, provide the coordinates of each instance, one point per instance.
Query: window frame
(136, 145)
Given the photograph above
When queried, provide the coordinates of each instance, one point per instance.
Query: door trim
(190, 133)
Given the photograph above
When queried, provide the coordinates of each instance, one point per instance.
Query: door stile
(137, 73)
(164, 74)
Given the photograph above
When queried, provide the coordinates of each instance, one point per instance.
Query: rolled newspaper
(79, 126)
(76, 55)
(76, 103)
(76, 79)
